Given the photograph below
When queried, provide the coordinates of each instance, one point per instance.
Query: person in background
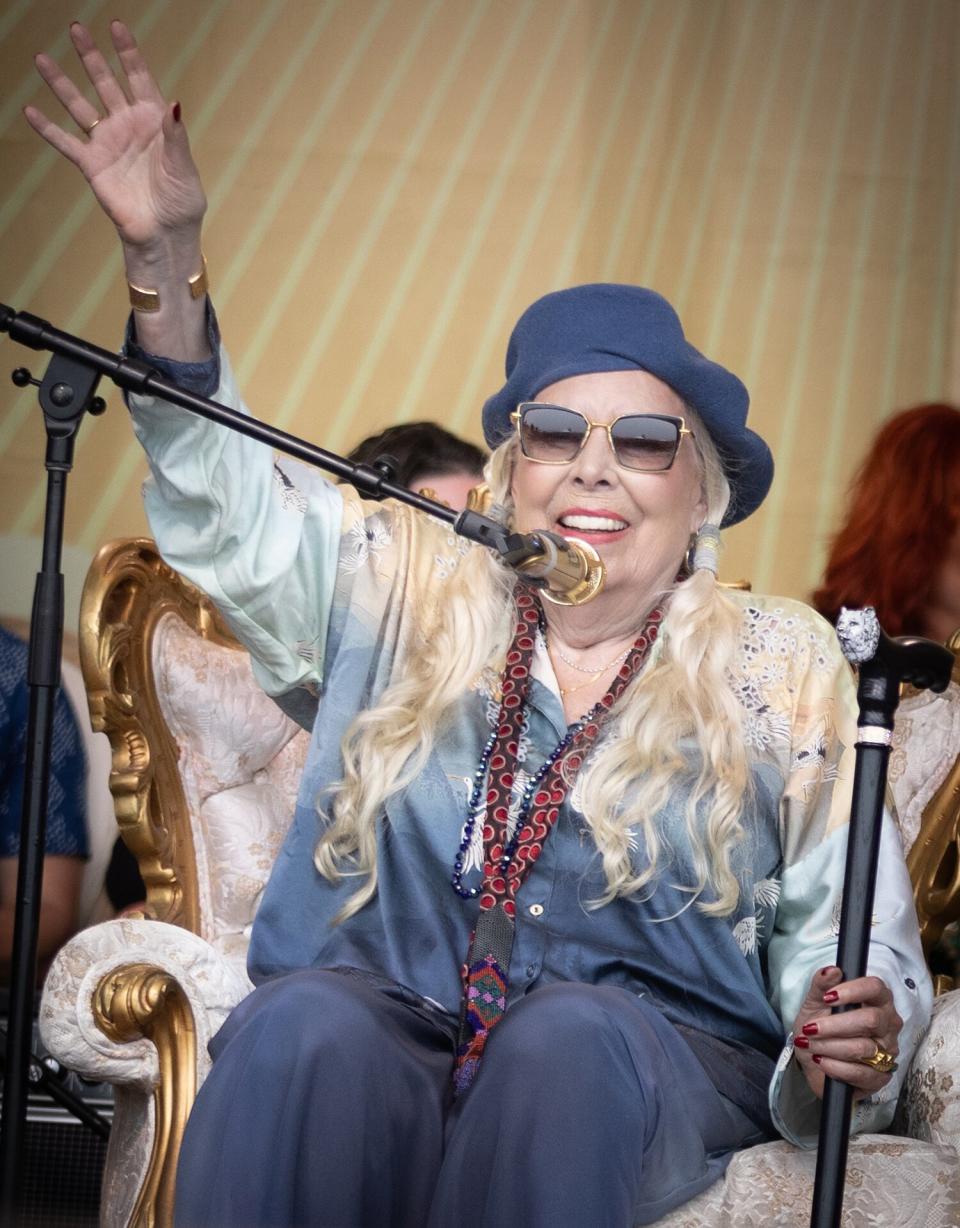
(428, 457)
(898, 548)
(67, 844)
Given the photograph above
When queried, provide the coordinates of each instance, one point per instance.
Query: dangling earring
(704, 551)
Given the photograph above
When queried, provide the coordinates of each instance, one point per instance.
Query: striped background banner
(392, 181)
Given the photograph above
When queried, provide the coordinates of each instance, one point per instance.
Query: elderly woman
(552, 933)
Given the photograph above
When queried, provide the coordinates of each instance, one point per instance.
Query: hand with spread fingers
(132, 148)
(858, 1046)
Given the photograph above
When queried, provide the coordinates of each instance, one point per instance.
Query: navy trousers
(329, 1105)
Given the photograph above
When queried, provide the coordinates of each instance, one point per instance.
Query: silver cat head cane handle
(885, 663)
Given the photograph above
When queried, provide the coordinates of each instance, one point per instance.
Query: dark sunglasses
(553, 435)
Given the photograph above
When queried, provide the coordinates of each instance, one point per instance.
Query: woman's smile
(594, 525)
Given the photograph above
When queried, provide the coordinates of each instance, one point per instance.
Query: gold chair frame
(934, 859)
(128, 590)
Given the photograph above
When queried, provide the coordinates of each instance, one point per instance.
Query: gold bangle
(142, 299)
(198, 282)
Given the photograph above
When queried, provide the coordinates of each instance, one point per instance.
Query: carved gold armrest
(141, 1000)
(135, 1003)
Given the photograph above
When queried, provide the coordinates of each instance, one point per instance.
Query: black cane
(883, 664)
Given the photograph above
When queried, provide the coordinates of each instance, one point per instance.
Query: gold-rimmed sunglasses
(554, 435)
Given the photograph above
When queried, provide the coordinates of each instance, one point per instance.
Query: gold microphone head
(572, 570)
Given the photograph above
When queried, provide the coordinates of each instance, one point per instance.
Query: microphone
(567, 571)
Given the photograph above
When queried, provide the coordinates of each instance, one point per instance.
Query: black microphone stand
(884, 663)
(66, 394)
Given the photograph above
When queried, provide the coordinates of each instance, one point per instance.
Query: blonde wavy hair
(684, 693)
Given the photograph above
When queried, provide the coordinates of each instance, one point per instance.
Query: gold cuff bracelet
(142, 299)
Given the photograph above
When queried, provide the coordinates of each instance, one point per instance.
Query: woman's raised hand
(844, 1045)
(133, 151)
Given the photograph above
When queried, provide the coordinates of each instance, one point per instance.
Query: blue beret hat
(607, 327)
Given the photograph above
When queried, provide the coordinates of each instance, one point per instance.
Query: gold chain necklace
(569, 690)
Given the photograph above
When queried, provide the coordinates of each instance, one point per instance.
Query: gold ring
(881, 1061)
(93, 125)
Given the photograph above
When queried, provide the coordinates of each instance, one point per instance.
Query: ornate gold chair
(205, 770)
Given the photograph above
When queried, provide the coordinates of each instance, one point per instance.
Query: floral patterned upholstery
(240, 764)
(238, 760)
(926, 742)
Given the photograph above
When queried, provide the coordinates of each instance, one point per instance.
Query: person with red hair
(899, 551)
(899, 546)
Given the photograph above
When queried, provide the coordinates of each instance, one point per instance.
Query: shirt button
(531, 969)
(536, 910)
(908, 981)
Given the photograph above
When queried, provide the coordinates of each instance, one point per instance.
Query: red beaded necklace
(507, 861)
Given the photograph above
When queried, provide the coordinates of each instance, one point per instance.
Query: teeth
(593, 524)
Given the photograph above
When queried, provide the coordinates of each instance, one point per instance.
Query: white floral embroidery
(745, 934)
(811, 757)
(290, 495)
(473, 857)
(447, 564)
(575, 795)
(766, 896)
(523, 744)
(775, 634)
(812, 754)
(362, 539)
(763, 725)
(520, 782)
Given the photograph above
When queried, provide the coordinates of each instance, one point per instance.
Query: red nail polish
(176, 112)
(811, 1029)
(831, 996)
(801, 1042)
(827, 970)
(817, 1058)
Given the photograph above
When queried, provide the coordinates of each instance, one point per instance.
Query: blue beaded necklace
(523, 813)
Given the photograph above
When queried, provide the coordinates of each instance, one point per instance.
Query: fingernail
(801, 1042)
(828, 969)
(818, 1059)
(831, 996)
(176, 112)
(811, 1029)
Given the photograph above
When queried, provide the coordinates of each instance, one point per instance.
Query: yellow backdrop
(392, 181)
